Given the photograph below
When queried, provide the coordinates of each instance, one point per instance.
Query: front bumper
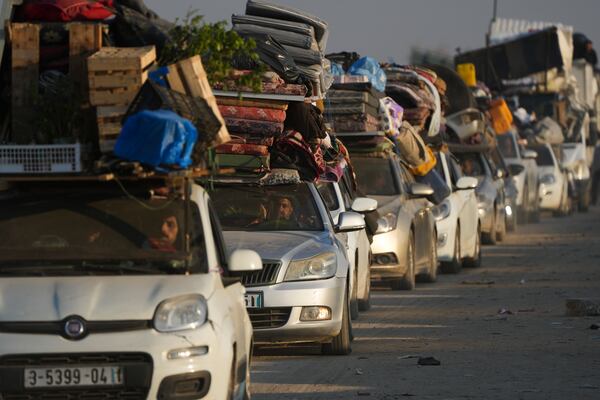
(207, 369)
(550, 197)
(389, 255)
(296, 295)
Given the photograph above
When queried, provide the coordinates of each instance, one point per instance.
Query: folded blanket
(263, 128)
(231, 101)
(252, 113)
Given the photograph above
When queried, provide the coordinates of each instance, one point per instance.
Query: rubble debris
(427, 361)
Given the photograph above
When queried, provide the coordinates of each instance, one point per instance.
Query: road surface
(531, 351)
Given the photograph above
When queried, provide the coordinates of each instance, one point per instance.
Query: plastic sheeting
(157, 138)
(368, 66)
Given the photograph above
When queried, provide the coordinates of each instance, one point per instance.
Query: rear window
(375, 176)
(544, 156)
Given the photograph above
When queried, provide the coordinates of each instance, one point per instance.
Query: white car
(338, 199)
(554, 185)
(457, 219)
(116, 291)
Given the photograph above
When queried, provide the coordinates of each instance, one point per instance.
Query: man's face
(285, 209)
(169, 229)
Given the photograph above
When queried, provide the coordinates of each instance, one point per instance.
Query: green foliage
(216, 45)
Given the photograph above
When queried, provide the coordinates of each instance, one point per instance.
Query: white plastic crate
(40, 159)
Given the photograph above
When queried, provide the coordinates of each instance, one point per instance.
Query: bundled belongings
(548, 131)
(290, 36)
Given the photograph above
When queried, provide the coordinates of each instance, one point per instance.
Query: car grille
(267, 276)
(264, 318)
(138, 372)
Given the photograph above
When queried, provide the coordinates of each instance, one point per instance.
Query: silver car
(302, 294)
(405, 244)
(490, 193)
(524, 171)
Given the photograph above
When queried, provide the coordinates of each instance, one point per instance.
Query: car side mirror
(350, 221)
(245, 261)
(466, 183)
(364, 205)
(420, 190)
(529, 154)
(516, 169)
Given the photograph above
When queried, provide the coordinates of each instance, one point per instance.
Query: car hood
(95, 298)
(280, 245)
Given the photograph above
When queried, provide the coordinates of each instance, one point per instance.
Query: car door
(468, 216)
(419, 208)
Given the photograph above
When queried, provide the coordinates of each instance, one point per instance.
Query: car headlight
(548, 179)
(322, 266)
(181, 314)
(442, 210)
(387, 223)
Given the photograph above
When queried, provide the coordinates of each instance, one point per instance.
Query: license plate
(254, 300)
(73, 376)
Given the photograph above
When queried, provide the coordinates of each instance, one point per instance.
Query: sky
(387, 29)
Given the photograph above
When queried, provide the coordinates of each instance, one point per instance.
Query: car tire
(563, 210)
(354, 298)
(454, 266)
(364, 304)
(490, 238)
(584, 202)
(341, 344)
(501, 232)
(408, 281)
(431, 275)
(475, 261)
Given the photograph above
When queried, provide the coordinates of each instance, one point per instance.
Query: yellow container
(502, 118)
(467, 73)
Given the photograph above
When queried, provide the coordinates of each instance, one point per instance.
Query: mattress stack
(303, 37)
(353, 107)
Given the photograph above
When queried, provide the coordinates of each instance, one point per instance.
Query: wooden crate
(109, 126)
(189, 77)
(84, 40)
(115, 75)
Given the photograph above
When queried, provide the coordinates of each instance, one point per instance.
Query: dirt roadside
(532, 351)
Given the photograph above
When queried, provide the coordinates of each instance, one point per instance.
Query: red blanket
(253, 113)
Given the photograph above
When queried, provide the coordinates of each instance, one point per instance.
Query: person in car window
(169, 231)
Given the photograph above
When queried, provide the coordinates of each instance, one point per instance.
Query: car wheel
(501, 233)
(354, 297)
(490, 238)
(408, 281)
(364, 304)
(454, 266)
(431, 275)
(523, 211)
(584, 201)
(341, 344)
(534, 215)
(563, 210)
(475, 261)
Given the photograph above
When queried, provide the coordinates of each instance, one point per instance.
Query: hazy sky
(388, 28)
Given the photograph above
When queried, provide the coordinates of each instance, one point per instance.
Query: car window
(472, 164)
(507, 145)
(327, 191)
(267, 208)
(376, 176)
(101, 223)
(217, 233)
(345, 194)
(544, 157)
(455, 171)
(349, 182)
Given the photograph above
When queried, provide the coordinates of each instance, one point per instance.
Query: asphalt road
(532, 351)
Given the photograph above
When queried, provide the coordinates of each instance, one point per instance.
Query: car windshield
(375, 176)
(99, 225)
(471, 164)
(507, 145)
(267, 208)
(544, 157)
